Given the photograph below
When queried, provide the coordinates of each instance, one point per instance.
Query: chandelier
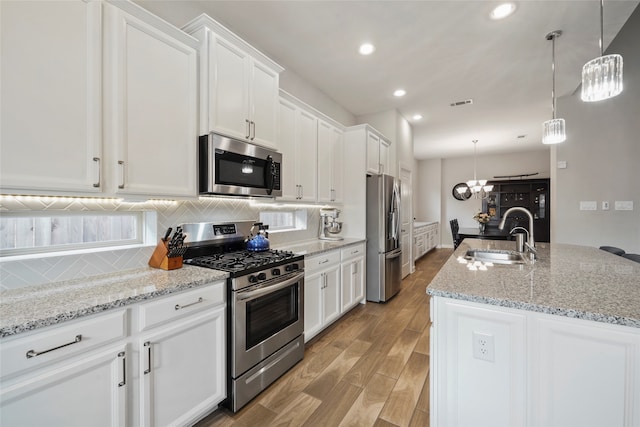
(553, 131)
(602, 76)
(477, 187)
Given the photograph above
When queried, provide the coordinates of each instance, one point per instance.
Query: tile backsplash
(35, 271)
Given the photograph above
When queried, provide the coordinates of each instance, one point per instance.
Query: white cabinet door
(329, 163)
(229, 100)
(385, 161)
(287, 143)
(263, 99)
(352, 283)
(332, 307)
(183, 369)
(50, 97)
(313, 315)
(373, 153)
(86, 392)
(151, 107)
(306, 156)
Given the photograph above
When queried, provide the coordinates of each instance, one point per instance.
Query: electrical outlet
(605, 206)
(483, 346)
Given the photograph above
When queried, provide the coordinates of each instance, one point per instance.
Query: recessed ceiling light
(366, 49)
(503, 10)
(399, 92)
(417, 117)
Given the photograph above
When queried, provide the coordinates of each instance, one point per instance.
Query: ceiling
(440, 52)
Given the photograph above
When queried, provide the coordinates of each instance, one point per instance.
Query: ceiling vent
(459, 103)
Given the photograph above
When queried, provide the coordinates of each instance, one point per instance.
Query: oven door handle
(247, 295)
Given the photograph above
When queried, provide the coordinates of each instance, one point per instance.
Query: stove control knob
(275, 272)
(292, 267)
(262, 276)
(253, 279)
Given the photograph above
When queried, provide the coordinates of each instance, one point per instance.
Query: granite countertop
(34, 307)
(566, 280)
(417, 224)
(317, 246)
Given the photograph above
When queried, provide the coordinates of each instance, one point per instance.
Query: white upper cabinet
(298, 138)
(150, 106)
(378, 148)
(50, 97)
(97, 98)
(330, 163)
(238, 85)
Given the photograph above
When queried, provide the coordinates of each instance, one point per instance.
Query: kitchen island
(550, 343)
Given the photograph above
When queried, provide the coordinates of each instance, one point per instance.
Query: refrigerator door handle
(393, 254)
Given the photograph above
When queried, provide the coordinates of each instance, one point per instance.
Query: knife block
(159, 258)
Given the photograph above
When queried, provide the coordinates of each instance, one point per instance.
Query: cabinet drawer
(322, 261)
(174, 306)
(353, 252)
(61, 342)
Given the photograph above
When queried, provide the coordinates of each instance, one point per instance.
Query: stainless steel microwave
(233, 167)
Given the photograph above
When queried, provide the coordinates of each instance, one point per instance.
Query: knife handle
(166, 235)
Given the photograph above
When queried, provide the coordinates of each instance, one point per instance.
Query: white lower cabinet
(334, 283)
(70, 375)
(321, 292)
(182, 350)
(353, 275)
(542, 370)
(182, 369)
(158, 363)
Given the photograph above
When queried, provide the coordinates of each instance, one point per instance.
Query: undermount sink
(495, 256)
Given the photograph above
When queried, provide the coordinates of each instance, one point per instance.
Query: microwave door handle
(269, 174)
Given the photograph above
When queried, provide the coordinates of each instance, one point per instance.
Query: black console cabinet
(532, 194)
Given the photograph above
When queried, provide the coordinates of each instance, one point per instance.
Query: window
(25, 233)
(285, 220)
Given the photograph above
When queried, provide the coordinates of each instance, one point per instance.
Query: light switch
(562, 164)
(589, 206)
(624, 205)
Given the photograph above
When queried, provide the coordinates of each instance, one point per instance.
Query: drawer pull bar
(178, 306)
(124, 369)
(33, 353)
(324, 262)
(148, 345)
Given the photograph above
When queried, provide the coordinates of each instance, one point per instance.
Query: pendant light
(602, 76)
(553, 131)
(478, 187)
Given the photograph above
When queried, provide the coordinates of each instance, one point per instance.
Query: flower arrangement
(482, 217)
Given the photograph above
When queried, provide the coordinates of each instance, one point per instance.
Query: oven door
(265, 318)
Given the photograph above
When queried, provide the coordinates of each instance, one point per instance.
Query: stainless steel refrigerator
(384, 253)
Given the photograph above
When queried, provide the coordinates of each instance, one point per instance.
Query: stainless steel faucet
(531, 243)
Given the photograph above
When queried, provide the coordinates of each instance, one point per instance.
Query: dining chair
(454, 232)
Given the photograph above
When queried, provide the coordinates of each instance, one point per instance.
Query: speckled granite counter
(566, 280)
(35, 307)
(314, 247)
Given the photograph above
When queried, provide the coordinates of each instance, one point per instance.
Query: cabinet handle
(121, 164)
(324, 262)
(124, 369)
(248, 128)
(253, 125)
(301, 191)
(33, 353)
(97, 183)
(355, 252)
(148, 345)
(178, 306)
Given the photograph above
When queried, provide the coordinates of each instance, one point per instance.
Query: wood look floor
(370, 368)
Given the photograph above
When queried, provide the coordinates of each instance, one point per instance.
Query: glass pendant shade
(553, 131)
(602, 78)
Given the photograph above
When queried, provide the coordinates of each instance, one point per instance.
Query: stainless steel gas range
(265, 299)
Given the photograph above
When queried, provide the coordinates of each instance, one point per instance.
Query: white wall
(460, 169)
(602, 152)
(309, 94)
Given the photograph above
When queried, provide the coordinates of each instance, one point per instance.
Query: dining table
(489, 233)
